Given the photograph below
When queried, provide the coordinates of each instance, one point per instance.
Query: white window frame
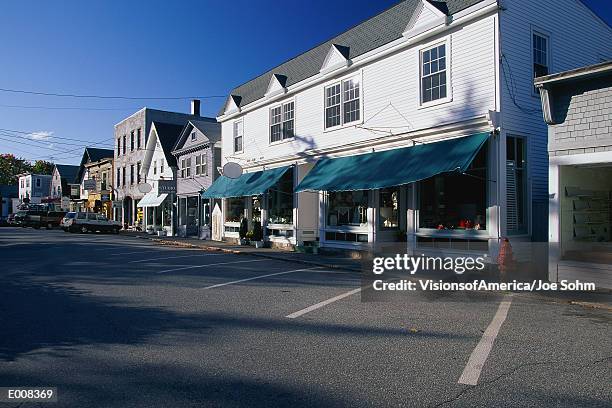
(544, 34)
(234, 135)
(448, 61)
(201, 168)
(357, 75)
(154, 167)
(182, 168)
(161, 167)
(194, 136)
(188, 167)
(282, 122)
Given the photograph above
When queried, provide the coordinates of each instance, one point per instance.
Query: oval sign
(232, 170)
(144, 188)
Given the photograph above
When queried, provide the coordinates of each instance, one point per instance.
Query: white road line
(323, 303)
(173, 257)
(259, 277)
(474, 366)
(212, 264)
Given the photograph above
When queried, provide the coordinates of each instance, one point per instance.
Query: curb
(237, 252)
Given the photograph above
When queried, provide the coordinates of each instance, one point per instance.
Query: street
(116, 321)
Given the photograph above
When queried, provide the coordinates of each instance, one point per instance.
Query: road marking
(323, 303)
(476, 362)
(212, 264)
(259, 277)
(172, 257)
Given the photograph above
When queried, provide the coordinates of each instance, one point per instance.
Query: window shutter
(511, 196)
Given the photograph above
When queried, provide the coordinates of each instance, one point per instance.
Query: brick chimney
(195, 107)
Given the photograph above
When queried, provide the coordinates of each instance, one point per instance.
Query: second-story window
(161, 167)
(155, 167)
(201, 165)
(139, 138)
(282, 122)
(104, 181)
(182, 168)
(540, 56)
(138, 168)
(188, 167)
(131, 174)
(343, 102)
(124, 143)
(238, 134)
(123, 177)
(433, 73)
(118, 146)
(118, 177)
(132, 141)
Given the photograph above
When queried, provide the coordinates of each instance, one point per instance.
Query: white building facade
(411, 76)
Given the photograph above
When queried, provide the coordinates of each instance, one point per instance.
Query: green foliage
(11, 166)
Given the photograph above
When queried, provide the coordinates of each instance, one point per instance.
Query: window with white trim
(282, 122)
(343, 102)
(188, 167)
(155, 167)
(201, 165)
(161, 167)
(238, 135)
(540, 56)
(182, 168)
(194, 136)
(433, 73)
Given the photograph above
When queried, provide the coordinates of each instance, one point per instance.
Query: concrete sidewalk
(323, 260)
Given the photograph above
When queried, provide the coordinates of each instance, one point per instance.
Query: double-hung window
(540, 56)
(118, 146)
(161, 167)
(282, 122)
(201, 168)
(132, 141)
(155, 167)
(182, 168)
(138, 169)
(434, 73)
(131, 174)
(238, 135)
(124, 143)
(123, 177)
(139, 138)
(343, 102)
(188, 167)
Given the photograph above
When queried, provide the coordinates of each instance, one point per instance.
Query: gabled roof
(68, 172)
(96, 154)
(209, 128)
(167, 134)
(375, 32)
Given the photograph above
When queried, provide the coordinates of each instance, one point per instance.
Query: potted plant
(243, 231)
(258, 235)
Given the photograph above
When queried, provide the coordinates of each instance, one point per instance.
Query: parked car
(89, 222)
(37, 217)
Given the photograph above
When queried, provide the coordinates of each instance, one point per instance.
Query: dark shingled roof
(96, 154)
(167, 134)
(375, 32)
(68, 172)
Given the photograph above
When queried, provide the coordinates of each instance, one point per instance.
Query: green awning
(393, 167)
(249, 184)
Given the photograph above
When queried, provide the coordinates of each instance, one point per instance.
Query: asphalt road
(116, 321)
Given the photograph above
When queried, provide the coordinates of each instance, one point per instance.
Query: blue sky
(146, 48)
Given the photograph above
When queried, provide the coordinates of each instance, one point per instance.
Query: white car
(89, 222)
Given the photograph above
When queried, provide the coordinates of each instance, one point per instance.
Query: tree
(42, 167)
(10, 167)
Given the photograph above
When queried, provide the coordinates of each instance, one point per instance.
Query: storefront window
(280, 200)
(455, 201)
(182, 213)
(235, 209)
(389, 208)
(192, 211)
(347, 208)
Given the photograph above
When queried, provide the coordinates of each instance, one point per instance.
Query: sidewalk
(322, 260)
